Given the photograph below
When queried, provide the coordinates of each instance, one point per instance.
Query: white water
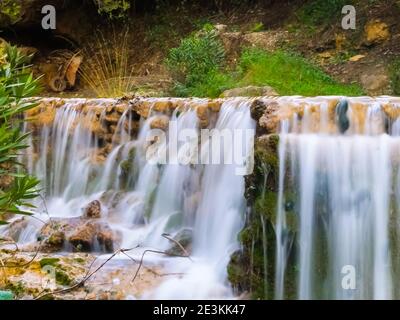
(207, 199)
(346, 203)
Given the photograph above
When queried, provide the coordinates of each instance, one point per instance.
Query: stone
(202, 112)
(376, 32)
(250, 91)
(92, 210)
(270, 119)
(184, 238)
(357, 57)
(15, 228)
(82, 239)
(376, 82)
(160, 122)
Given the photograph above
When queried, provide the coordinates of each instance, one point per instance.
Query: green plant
(113, 9)
(16, 84)
(289, 74)
(10, 12)
(395, 75)
(315, 12)
(198, 58)
(257, 27)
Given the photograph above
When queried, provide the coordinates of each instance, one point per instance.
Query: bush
(316, 12)
(16, 83)
(113, 9)
(199, 58)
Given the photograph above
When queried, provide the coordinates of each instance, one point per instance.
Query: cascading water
(339, 179)
(76, 166)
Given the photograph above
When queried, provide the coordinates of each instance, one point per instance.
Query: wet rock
(184, 238)
(15, 228)
(250, 91)
(82, 239)
(160, 122)
(83, 234)
(270, 119)
(203, 113)
(93, 210)
(376, 31)
(106, 239)
(342, 119)
(257, 109)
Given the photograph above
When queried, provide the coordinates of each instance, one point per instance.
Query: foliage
(10, 11)
(197, 60)
(395, 76)
(289, 74)
(107, 70)
(113, 9)
(16, 83)
(316, 12)
(257, 27)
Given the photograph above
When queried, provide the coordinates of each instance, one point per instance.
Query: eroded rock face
(93, 210)
(250, 91)
(83, 234)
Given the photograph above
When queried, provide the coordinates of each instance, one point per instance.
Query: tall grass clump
(107, 69)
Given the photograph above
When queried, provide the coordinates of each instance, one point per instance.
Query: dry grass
(106, 69)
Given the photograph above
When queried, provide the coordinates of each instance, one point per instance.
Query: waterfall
(89, 152)
(345, 185)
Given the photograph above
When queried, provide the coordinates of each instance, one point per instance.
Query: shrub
(316, 12)
(16, 83)
(113, 9)
(198, 58)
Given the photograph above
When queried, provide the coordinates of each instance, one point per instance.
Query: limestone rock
(160, 122)
(93, 210)
(250, 91)
(270, 119)
(376, 32)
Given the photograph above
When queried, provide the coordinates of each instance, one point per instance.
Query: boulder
(250, 91)
(82, 239)
(269, 121)
(92, 210)
(376, 32)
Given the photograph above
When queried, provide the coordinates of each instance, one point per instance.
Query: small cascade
(85, 151)
(338, 165)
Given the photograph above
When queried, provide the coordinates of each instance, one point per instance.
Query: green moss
(62, 278)
(48, 262)
(17, 289)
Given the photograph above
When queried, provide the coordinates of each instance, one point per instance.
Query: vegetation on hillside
(16, 83)
(199, 68)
